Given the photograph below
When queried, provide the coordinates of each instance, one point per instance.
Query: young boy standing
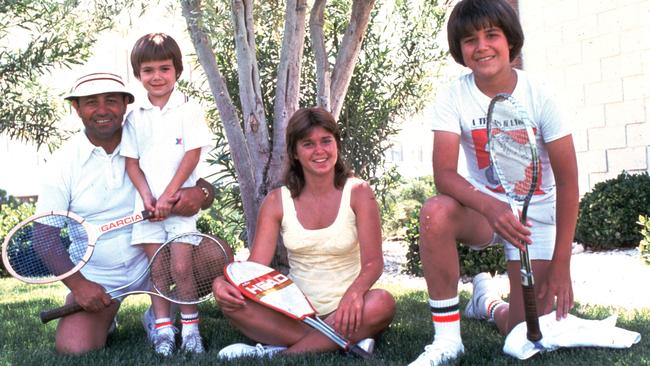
(164, 138)
(486, 36)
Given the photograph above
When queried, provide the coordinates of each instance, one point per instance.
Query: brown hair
(472, 15)
(300, 125)
(156, 47)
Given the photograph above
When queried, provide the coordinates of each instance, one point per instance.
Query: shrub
(472, 262)
(402, 202)
(644, 245)
(11, 213)
(608, 214)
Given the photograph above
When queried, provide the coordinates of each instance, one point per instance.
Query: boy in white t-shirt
(486, 36)
(164, 138)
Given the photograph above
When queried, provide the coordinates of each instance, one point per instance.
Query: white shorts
(542, 218)
(115, 277)
(158, 232)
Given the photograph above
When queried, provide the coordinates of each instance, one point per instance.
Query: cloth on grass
(569, 332)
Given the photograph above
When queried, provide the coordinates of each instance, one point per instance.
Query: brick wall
(595, 55)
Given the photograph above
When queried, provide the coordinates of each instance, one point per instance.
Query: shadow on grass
(25, 341)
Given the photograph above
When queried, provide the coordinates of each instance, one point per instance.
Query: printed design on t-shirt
(179, 141)
(484, 165)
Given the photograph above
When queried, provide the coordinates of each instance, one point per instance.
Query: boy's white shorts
(542, 218)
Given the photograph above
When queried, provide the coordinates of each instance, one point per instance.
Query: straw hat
(98, 83)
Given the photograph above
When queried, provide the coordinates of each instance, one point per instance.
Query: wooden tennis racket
(51, 246)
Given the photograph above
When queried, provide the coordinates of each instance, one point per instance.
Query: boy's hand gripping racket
(513, 152)
(270, 288)
(51, 246)
(182, 271)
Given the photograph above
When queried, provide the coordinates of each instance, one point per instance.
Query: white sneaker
(440, 352)
(164, 340)
(367, 344)
(149, 319)
(482, 291)
(192, 342)
(244, 350)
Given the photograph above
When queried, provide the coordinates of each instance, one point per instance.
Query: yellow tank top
(323, 262)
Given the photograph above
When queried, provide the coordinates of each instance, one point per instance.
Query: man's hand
(91, 296)
(191, 199)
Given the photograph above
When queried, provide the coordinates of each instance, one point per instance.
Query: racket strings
(47, 247)
(513, 161)
(183, 270)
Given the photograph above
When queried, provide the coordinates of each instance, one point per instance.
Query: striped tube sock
(190, 323)
(163, 323)
(492, 306)
(445, 315)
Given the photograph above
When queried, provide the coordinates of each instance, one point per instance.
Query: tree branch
(323, 77)
(287, 93)
(349, 52)
(227, 112)
(250, 94)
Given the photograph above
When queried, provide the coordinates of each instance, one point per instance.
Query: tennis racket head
(48, 247)
(270, 288)
(183, 268)
(513, 148)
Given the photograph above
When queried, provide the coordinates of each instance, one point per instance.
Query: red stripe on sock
(163, 324)
(190, 321)
(446, 318)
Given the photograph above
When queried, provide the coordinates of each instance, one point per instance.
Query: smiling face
(158, 78)
(317, 152)
(102, 116)
(486, 52)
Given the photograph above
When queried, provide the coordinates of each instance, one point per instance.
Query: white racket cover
(265, 285)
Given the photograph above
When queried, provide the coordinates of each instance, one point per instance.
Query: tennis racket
(181, 270)
(513, 152)
(270, 288)
(51, 246)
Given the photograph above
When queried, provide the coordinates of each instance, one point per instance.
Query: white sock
(445, 315)
(190, 323)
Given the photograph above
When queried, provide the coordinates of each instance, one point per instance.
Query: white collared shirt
(159, 138)
(84, 179)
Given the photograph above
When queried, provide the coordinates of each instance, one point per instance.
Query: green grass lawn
(25, 341)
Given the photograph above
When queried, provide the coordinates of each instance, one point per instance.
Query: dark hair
(156, 47)
(472, 15)
(301, 123)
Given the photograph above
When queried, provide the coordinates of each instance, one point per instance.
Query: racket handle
(360, 352)
(533, 334)
(60, 312)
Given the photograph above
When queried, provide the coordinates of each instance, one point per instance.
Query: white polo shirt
(159, 138)
(84, 179)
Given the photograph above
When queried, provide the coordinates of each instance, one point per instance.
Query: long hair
(156, 47)
(300, 125)
(471, 15)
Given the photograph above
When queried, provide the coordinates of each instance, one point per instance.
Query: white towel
(569, 332)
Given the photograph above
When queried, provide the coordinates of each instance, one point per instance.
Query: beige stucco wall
(596, 56)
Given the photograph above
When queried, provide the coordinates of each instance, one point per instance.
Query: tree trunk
(238, 148)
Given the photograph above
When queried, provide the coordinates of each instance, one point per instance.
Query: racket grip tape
(533, 333)
(60, 312)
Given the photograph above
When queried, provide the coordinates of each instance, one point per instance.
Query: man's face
(102, 115)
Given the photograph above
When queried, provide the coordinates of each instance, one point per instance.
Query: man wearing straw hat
(87, 176)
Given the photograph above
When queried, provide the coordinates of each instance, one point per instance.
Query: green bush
(608, 214)
(644, 245)
(402, 202)
(472, 262)
(12, 212)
